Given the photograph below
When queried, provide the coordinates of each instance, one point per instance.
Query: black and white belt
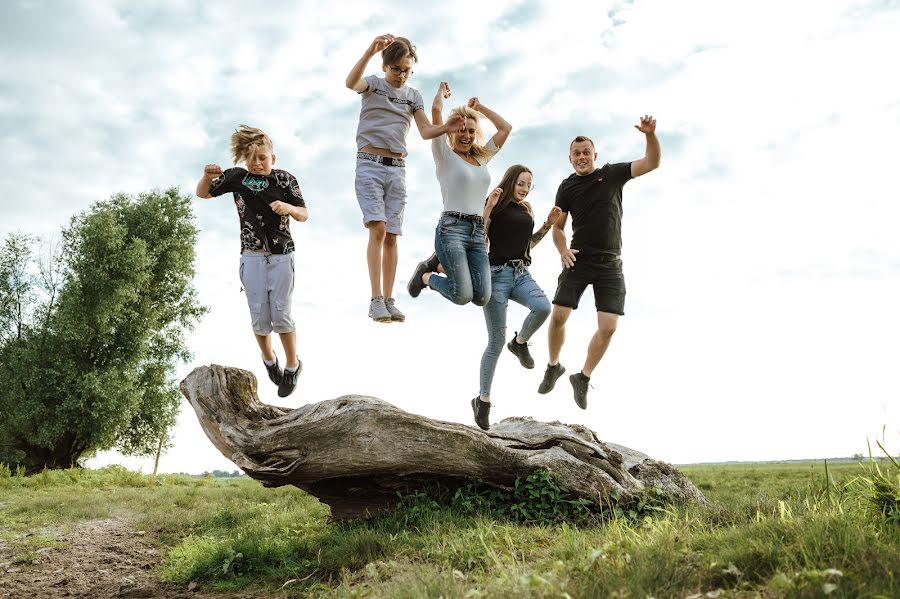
(385, 160)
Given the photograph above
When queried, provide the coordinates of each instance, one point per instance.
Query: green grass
(772, 530)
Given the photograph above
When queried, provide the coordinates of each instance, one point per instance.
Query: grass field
(773, 530)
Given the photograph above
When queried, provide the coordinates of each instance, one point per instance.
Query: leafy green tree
(89, 334)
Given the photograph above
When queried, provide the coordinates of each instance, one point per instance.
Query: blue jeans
(460, 247)
(509, 283)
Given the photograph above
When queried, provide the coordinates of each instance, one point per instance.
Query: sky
(761, 259)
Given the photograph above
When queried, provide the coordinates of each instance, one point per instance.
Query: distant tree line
(91, 326)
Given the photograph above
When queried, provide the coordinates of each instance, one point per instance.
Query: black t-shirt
(595, 203)
(510, 234)
(261, 228)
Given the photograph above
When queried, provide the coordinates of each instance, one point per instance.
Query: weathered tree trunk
(355, 452)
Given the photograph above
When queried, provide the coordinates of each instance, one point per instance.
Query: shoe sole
(382, 319)
(553, 383)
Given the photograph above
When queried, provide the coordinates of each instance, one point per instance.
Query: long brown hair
(508, 185)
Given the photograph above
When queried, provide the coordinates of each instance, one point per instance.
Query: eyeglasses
(399, 71)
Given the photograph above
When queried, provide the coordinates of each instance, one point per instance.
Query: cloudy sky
(761, 259)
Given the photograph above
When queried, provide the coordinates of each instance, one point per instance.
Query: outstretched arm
(653, 153)
(551, 218)
(354, 79)
(210, 173)
(503, 127)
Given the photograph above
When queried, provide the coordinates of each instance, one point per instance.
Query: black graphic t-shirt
(510, 234)
(595, 203)
(261, 228)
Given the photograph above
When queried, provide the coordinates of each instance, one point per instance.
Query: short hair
(580, 139)
(400, 48)
(246, 141)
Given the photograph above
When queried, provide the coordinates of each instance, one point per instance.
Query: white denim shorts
(381, 193)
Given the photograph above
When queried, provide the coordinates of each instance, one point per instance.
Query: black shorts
(606, 277)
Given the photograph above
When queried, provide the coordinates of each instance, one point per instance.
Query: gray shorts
(268, 280)
(381, 193)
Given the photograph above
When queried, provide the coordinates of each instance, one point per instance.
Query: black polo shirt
(261, 227)
(594, 202)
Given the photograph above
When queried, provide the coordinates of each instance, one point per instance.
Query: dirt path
(95, 559)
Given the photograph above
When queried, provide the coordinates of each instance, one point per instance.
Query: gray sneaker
(396, 314)
(378, 311)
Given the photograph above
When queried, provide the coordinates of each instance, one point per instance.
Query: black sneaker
(580, 384)
(550, 376)
(289, 380)
(482, 411)
(274, 371)
(521, 352)
(415, 285)
(432, 262)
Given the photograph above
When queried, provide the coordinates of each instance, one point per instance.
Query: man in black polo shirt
(594, 197)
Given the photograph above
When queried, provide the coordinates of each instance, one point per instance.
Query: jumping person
(388, 107)
(594, 198)
(461, 168)
(509, 221)
(266, 200)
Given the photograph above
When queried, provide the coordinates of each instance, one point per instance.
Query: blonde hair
(246, 141)
(477, 149)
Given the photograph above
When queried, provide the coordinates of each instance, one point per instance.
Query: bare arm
(566, 255)
(551, 218)
(437, 105)
(355, 79)
(503, 127)
(210, 173)
(489, 206)
(298, 213)
(653, 153)
(429, 131)
(437, 127)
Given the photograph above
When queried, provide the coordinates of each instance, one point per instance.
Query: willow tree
(90, 331)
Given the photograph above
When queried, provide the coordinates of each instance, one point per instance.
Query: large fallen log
(355, 452)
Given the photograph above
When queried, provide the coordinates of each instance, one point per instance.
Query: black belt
(473, 217)
(604, 257)
(518, 264)
(385, 160)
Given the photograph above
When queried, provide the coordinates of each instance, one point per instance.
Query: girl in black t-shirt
(509, 225)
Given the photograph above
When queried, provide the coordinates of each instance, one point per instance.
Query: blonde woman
(461, 167)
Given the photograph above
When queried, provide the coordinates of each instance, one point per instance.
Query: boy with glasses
(388, 107)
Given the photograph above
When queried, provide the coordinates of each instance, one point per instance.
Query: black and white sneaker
(482, 412)
(274, 371)
(550, 377)
(289, 380)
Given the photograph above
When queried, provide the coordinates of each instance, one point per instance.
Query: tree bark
(355, 452)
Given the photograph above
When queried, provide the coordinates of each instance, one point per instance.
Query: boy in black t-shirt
(594, 197)
(266, 199)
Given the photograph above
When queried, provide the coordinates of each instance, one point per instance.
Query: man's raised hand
(647, 125)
